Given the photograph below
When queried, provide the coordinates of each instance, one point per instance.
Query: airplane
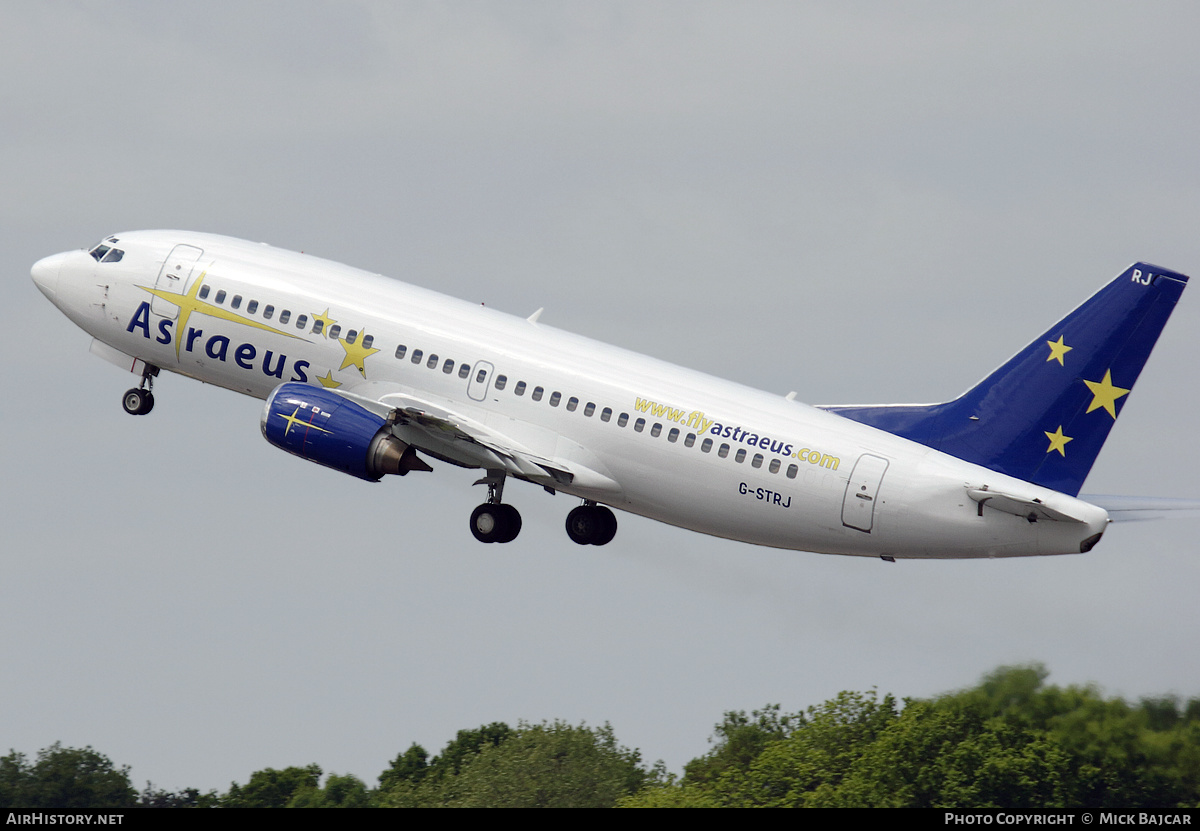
(373, 377)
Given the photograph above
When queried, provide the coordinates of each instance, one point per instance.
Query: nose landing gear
(140, 399)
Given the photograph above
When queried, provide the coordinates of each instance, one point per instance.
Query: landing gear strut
(140, 400)
(591, 524)
(493, 521)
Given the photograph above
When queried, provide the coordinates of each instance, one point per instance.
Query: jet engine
(330, 429)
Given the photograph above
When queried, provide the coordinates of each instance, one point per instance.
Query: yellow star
(356, 354)
(189, 303)
(1057, 350)
(326, 321)
(1104, 394)
(1058, 441)
(328, 381)
(293, 421)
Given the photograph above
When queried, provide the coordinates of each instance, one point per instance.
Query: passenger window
(252, 307)
(284, 316)
(589, 409)
(352, 336)
(417, 356)
(623, 419)
(606, 414)
(774, 466)
(792, 470)
(448, 366)
(236, 302)
(481, 376)
(689, 440)
(520, 390)
(334, 331)
(220, 297)
(367, 341)
(431, 363)
(706, 446)
(400, 350)
(555, 397)
(639, 425)
(268, 312)
(301, 321)
(204, 292)
(318, 326)
(673, 435)
(656, 430)
(464, 370)
(501, 381)
(723, 451)
(536, 395)
(741, 455)
(757, 460)
(572, 404)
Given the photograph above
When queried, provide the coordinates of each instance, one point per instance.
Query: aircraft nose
(45, 274)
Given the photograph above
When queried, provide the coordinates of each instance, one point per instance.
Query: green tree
(64, 779)
(270, 788)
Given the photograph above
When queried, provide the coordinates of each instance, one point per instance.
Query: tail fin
(1044, 415)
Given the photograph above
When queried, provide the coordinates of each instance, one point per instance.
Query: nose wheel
(140, 399)
(591, 524)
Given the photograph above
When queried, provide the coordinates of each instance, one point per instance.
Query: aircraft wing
(454, 437)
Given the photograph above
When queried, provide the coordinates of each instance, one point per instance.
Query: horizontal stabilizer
(1141, 508)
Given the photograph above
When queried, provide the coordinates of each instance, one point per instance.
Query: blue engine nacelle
(330, 429)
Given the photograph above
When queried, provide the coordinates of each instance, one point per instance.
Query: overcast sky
(862, 202)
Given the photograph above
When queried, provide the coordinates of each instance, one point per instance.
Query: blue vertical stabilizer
(1044, 415)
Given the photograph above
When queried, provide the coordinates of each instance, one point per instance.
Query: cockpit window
(106, 253)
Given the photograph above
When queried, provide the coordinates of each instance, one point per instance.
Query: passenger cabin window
(537, 394)
(555, 397)
(589, 409)
(656, 430)
(723, 451)
(464, 370)
(447, 367)
(774, 466)
(318, 326)
(481, 376)
(520, 388)
(301, 321)
(352, 336)
(220, 297)
(252, 307)
(623, 420)
(236, 302)
(367, 341)
(334, 331)
(501, 381)
(284, 316)
(741, 455)
(639, 425)
(792, 471)
(757, 460)
(606, 414)
(417, 355)
(706, 446)
(203, 292)
(689, 440)
(431, 363)
(400, 350)
(572, 404)
(268, 312)
(673, 435)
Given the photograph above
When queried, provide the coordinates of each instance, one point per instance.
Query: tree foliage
(64, 780)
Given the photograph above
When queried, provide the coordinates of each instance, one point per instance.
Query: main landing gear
(591, 524)
(494, 521)
(140, 399)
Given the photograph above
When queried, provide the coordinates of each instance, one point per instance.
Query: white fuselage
(709, 455)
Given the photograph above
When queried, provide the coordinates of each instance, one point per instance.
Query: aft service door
(174, 276)
(481, 379)
(862, 491)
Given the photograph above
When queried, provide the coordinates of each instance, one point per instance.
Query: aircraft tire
(511, 524)
(147, 402)
(495, 523)
(134, 402)
(591, 525)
